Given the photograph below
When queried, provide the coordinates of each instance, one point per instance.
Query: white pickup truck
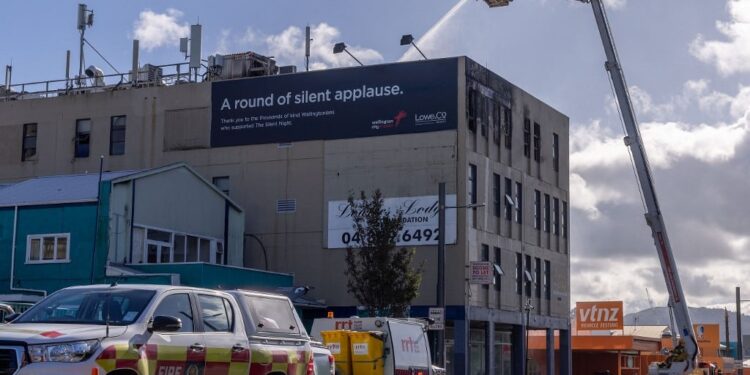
(156, 330)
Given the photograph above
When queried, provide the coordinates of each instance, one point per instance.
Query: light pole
(341, 47)
(740, 348)
(528, 307)
(440, 351)
(409, 39)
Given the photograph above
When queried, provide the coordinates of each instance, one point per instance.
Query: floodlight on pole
(497, 3)
(409, 39)
(341, 47)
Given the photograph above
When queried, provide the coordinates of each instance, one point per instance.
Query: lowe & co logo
(430, 118)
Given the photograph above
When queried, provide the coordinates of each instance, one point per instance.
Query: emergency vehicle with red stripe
(156, 330)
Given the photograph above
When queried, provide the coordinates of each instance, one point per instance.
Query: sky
(687, 63)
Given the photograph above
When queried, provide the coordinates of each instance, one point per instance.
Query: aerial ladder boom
(654, 218)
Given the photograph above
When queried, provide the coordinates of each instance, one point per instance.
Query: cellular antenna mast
(85, 19)
(307, 48)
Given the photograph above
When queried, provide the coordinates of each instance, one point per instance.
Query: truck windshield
(89, 306)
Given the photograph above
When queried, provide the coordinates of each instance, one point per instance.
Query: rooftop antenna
(8, 76)
(307, 48)
(191, 47)
(85, 19)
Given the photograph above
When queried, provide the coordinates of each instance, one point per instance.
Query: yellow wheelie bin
(367, 353)
(338, 343)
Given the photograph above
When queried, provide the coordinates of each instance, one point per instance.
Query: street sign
(481, 273)
(437, 314)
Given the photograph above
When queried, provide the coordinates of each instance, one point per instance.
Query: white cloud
(155, 30)
(733, 54)
(615, 4)
(586, 198)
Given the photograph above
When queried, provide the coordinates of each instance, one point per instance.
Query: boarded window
(186, 129)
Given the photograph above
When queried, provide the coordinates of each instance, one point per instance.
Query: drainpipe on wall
(13, 259)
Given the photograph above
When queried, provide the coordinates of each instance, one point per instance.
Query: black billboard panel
(370, 101)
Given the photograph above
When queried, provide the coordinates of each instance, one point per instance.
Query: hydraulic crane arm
(653, 215)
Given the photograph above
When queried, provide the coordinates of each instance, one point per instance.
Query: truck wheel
(122, 372)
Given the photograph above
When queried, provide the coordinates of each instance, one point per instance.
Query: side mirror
(11, 317)
(163, 323)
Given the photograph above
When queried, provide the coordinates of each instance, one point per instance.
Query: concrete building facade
(494, 145)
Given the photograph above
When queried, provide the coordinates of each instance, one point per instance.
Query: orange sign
(601, 315)
(708, 338)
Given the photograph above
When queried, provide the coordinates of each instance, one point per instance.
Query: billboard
(600, 315)
(708, 338)
(388, 99)
(420, 218)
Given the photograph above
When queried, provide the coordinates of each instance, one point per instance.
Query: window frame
(226, 302)
(508, 133)
(519, 274)
(537, 142)
(537, 209)
(41, 237)
(518, 200)
(496, 194)
(78, 138)
(555, 152)
(509, 203)
(112, 130)
(24, 137)
(556, 216)
(197, 325)
(217, 179)
(546, 223)
(213, 247)
(547, 281)
(527, 137)
(564, 218)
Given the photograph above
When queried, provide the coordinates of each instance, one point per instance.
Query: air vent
(285, 206)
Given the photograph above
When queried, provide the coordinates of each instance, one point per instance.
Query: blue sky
(687, 62)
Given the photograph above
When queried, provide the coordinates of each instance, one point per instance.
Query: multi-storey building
(290, 148)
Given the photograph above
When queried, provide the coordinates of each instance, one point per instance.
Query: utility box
(368, 355)
(338, 343)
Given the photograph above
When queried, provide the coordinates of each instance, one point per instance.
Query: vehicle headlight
(63, 352)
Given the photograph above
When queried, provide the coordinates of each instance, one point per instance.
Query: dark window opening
(519, 203)
(508, 199)
(528, 282)
(485, 258)
(555, 152)
(496, 196)
(538, 277)
(537, 210)
(499, 264)
(547, 290)
(508, 126)
(537, 142)
(222, 183)
(484, 112)
(556, 217)
(83, 138)
(546, 212)
(471, 104)
(496, 123)
(564, 219)
(28, 144)
(117, 135)
(526, 137)
(519, 273)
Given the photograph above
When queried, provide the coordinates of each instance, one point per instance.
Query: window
(519, 202)
(117, 135)
(28, 144)
(546, 212)
(498, 264)
(519, 273)
(48, 248)
(178, 306)
(538, 277)
(556, 216)
(163, 246)
(555, 152)
(564, 219)
(483, 108)
(471, 105)
(508, 126)
(528, 282)
(485, 258)
(537, 209)
(217, 313)
(83, 138)
(271, 314)
(496, 196)
(472, 184)
(546, 279)
(90, 306)
(537, 142)
(222, 183)
(497, 111)
(526, 137)
(508, 199)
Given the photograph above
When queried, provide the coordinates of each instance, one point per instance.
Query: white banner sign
(481, 273)
(420, 221)
(437, 314)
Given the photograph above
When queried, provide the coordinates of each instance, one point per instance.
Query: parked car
(155, 329)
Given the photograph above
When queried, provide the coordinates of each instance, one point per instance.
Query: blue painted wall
(76, 219)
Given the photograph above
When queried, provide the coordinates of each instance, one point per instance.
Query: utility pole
(440, 352)
(739, 331)
(726, 329)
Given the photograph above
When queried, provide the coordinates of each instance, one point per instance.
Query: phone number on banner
(414, 237)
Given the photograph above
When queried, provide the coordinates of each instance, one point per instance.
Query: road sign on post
(437, 314)
(481, 273)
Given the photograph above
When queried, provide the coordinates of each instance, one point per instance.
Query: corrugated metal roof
(55, 189)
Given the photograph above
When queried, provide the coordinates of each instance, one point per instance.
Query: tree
(380, 275)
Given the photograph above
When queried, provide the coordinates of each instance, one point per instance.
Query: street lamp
(440, 351)
(409, 39)
(341, 47)
(527, 307)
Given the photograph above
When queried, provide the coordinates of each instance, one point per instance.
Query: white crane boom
(654, 217)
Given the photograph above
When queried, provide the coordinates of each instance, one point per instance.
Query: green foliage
(380, 275)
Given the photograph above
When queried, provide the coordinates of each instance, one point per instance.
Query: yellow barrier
(367, 353)
(338, 343)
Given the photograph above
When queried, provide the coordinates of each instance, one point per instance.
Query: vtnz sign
(602, 315)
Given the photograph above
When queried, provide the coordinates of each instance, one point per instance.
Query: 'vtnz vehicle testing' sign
(336, 104)
(602, 315)
(420, 217)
